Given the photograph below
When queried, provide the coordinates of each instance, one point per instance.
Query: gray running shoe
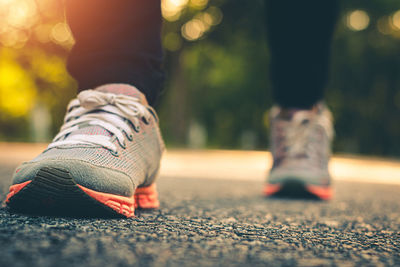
(301, 148)
(103, 162)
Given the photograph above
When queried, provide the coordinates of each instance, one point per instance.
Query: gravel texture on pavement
(210, 222)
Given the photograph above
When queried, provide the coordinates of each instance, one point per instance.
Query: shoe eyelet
(137, 128)
(129, 136)
(146, 121)
(123, 145)
(114, 153)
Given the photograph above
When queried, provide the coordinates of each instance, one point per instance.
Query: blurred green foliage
(34, 44)
(226, 86)
(217, 92)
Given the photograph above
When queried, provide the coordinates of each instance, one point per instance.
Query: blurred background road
(213, 214)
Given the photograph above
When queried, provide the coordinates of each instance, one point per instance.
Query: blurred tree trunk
(177, 104)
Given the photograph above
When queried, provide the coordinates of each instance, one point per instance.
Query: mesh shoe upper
(300, 145)
(112, 143)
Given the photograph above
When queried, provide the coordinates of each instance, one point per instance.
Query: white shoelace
(109, 111)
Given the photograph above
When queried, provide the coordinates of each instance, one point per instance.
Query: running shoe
(301, 148)
(103, 162)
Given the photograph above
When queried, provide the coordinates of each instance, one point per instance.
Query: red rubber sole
(321, 192)
(144, 198)
(54, 191)
(14, 189)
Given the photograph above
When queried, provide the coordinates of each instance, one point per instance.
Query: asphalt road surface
(214, 222)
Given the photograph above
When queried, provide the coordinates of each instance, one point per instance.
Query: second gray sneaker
(301, 147)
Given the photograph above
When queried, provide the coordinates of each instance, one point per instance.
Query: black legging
(119, 42)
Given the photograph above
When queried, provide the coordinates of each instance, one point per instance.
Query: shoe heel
(147, 197)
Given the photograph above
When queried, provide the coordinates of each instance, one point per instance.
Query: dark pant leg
(117, 41)
(300, 35)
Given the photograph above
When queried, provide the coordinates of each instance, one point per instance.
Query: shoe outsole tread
(54, 192)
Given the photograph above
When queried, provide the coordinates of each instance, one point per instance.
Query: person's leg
(116, 42)
(107, 155)
(300, 35)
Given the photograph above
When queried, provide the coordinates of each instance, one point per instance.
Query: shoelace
(109, 111)
(298, 135)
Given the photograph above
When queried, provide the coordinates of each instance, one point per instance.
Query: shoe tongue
(123, 89)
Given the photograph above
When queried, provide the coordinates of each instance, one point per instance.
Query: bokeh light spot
(21, 14)
(193, 29)
(61, 34)
(198, 4)
(216, 15)
(171, 9)
(396, 20)
(358, 20)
